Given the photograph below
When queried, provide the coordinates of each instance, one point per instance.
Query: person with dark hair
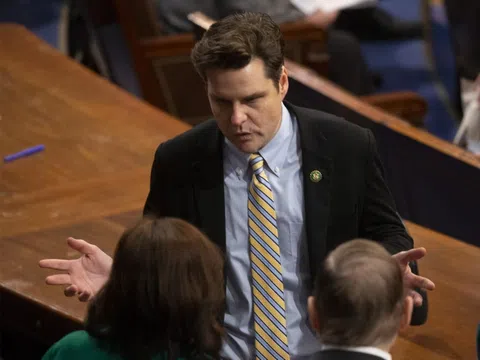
(274, 185)
(161, 301)
(359, 303)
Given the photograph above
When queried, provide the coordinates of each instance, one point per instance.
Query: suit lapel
(208, 185)
(317, 166)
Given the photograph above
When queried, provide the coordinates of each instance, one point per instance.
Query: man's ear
(407, 313)
(283, 84)
(312, 313)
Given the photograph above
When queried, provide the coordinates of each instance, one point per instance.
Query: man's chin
(248, 147)
(248, 144)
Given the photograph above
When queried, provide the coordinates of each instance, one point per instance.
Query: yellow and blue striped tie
(267, 282)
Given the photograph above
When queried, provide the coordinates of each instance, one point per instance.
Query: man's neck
(383, 347)
(377, 351)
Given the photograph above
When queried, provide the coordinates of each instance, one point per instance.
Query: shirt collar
(361, 349)
(274, 152)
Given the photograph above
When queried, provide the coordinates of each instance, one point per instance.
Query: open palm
(83, 276)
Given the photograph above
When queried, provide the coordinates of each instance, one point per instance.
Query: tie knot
(256, 162)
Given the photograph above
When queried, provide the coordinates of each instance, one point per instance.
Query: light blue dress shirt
(283, 165)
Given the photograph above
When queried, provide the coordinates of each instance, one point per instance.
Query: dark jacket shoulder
(343, 138)
(332, 126)
(189, 145)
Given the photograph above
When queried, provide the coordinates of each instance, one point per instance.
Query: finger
(421, 282)
(417, 298)
(59, 279)
(81, 246)
(70, 291)
(55, 264)
(85, 296)
(405, 257)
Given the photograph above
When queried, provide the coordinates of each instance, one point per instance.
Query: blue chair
(94, 39)
(42, 17)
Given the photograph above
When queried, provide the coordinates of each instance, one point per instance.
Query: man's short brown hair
(234, 41)
(359, 295)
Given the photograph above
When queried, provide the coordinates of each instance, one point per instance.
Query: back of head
(359, 296)
(165, 289)
(235, 40)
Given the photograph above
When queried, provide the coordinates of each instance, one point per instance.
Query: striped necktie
(266, 267)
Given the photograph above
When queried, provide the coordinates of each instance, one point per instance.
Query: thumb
(81, 246)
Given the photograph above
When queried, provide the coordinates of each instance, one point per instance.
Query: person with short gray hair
(359, 302)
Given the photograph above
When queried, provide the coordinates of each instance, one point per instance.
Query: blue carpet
(404, 65)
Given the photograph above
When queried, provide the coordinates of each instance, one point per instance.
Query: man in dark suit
(275, 186)
(357, 314)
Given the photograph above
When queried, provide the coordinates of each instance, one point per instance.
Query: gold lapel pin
(316, 176)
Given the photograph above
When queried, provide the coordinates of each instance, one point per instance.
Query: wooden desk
(92, 180)
(454, 306)
(99, 140)
(100, 143)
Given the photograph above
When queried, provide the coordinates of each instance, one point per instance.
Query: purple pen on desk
(26, 152)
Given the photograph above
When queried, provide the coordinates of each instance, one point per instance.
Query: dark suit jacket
(351, 201)
(346, 355)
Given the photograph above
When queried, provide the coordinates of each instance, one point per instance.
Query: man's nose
(238, 115)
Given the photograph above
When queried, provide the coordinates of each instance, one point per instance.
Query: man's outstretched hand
(410, 280)
(83, 277)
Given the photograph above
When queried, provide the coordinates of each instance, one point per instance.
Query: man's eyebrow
(217, 97)
(254, 96)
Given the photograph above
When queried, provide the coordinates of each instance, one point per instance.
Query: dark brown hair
(235, 40)
(165, 291)
(359, 295)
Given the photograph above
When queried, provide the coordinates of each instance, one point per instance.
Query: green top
(79, 345)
